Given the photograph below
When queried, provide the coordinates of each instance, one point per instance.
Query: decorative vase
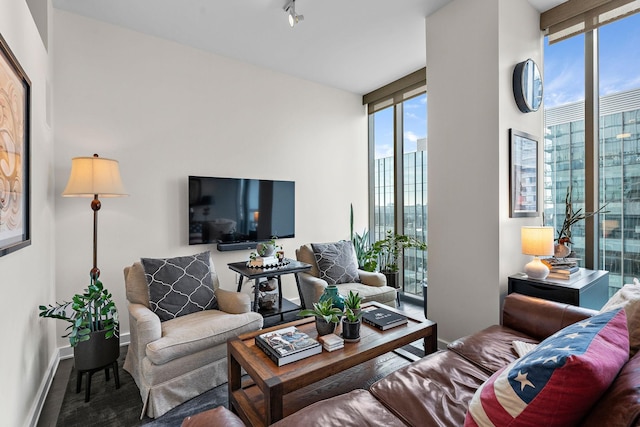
(351, 330)
(265, 249)
(561, 250)
(323, 327)
(331, 293)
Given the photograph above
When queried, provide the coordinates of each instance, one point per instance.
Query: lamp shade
(537, 241)
(94, 175)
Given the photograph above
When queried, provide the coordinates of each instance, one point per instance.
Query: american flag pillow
(557, 383)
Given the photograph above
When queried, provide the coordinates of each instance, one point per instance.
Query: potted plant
(360, 243)
(352, 317)
(384, 254)
(93, 329)
(571, 217)
(327, 316)
(268, 248)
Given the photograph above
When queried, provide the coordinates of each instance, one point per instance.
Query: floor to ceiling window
(614, 175)
(398, 169)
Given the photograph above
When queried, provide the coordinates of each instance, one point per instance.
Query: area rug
(111, 407)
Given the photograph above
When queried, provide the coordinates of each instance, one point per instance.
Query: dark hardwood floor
(53, 402)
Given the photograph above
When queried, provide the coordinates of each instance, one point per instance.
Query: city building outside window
(616, 48)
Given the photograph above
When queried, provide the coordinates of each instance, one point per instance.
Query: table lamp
(537, 241)
(93, 177)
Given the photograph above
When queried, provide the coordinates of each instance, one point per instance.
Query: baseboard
(43, 390)
(41, 396)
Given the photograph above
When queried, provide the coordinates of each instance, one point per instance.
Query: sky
(563, 69)
(563, 80)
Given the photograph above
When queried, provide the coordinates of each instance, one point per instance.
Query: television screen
(237, 210)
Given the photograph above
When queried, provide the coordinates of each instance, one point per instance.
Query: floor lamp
(93, 177)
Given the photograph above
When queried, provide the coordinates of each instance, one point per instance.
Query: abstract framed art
(523, 178)
(15, 96)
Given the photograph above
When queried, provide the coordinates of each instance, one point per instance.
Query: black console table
(590, 289)
(291, 267)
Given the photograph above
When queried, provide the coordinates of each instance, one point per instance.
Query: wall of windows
(399, 181)
(616, 48)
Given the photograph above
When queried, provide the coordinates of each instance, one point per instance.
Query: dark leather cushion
(219, 416)
(434, 391)
(354, 409)
(491, 348)
(620, 404)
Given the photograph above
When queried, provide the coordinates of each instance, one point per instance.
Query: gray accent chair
(176, 360)
(372, 286)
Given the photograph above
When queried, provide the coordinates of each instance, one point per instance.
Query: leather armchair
(372, 286)
(178, 359)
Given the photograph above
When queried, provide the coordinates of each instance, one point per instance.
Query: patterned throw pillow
(336, 262)
(558, 382)
(179, 286)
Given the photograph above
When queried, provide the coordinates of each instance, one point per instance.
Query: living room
(166, 111)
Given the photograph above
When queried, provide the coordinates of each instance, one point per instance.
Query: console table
(590, 289)
(291, 267)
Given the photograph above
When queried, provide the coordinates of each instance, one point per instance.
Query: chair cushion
(628, 297)
(198, 331)
(382, 294)
(179, 286)
(336, 262)
(557, 383)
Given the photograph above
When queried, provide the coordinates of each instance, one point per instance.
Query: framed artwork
(15, 95)
(523, 180)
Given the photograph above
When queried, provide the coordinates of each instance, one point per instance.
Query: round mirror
(527, 86)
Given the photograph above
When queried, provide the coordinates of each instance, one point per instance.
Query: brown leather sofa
(436, 390)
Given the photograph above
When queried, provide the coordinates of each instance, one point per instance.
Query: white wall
(474, 246)
(27, 275)
(166, 111)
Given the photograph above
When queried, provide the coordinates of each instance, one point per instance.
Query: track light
(290, 9)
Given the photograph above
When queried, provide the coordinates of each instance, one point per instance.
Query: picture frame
(523, 179)
(15, 103)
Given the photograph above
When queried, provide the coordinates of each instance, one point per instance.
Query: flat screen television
(237, 213)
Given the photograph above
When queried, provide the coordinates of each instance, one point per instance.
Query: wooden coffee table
(259, 401)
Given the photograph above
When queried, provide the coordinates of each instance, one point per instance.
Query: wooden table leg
(234, 376)
(431, 342)
(299, 290)
(273, 401)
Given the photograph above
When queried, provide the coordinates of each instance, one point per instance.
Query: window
(615, 134)
(398, 169)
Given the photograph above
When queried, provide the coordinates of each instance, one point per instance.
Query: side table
(590, 289)
(291, 266)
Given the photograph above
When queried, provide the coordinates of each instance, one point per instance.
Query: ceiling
(354, 45)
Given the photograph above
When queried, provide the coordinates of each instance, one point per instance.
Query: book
(563, 276)
(287, 345)
(383, 319)
(565, 270)
(331, 342)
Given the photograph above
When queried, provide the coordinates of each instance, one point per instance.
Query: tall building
(619, 179)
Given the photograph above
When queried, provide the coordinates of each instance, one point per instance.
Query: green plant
(352, 316)
(323, 310)
(571, 217)
(94, 310)
(352, 301)
(384, 254)
(360, 242)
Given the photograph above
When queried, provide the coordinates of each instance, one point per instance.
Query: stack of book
(331, 342)
(562, 268)
(287, 345)
(382, 318)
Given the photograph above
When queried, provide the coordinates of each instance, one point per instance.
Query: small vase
(331, 292)
(561, 250)
(351, 331)
(323, 327)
